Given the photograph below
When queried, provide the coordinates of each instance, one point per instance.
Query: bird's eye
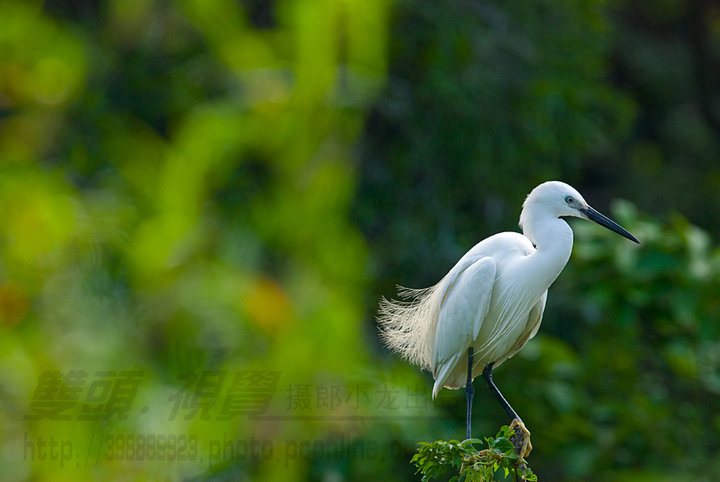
(569, 200)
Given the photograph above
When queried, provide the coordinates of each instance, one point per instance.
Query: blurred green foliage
(226, 187)
(175, 189)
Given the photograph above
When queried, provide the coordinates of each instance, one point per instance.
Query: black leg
(487, 375)
(469, 390)
(521, 437)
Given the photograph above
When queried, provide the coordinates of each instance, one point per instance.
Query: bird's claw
(521, 438)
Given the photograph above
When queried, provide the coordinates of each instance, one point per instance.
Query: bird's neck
(553, 240)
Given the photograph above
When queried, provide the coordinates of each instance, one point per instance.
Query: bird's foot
(521, 438)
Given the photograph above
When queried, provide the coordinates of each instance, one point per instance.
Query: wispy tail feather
(408, 327)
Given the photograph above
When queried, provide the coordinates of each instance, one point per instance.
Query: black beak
(603, 220)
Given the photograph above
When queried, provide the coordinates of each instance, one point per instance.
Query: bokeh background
(202, 201)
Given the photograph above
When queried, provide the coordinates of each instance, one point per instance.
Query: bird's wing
(465, 304)
(531, 328)
(536, 316)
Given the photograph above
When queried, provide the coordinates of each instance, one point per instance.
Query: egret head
(558, 199)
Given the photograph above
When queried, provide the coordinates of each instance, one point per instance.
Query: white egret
(491, 302)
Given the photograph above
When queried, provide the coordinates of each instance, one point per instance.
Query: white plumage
(493, 299)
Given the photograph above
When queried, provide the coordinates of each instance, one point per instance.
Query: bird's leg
(487, 375)
(469, 390)
(521, 438)
(522, 442)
